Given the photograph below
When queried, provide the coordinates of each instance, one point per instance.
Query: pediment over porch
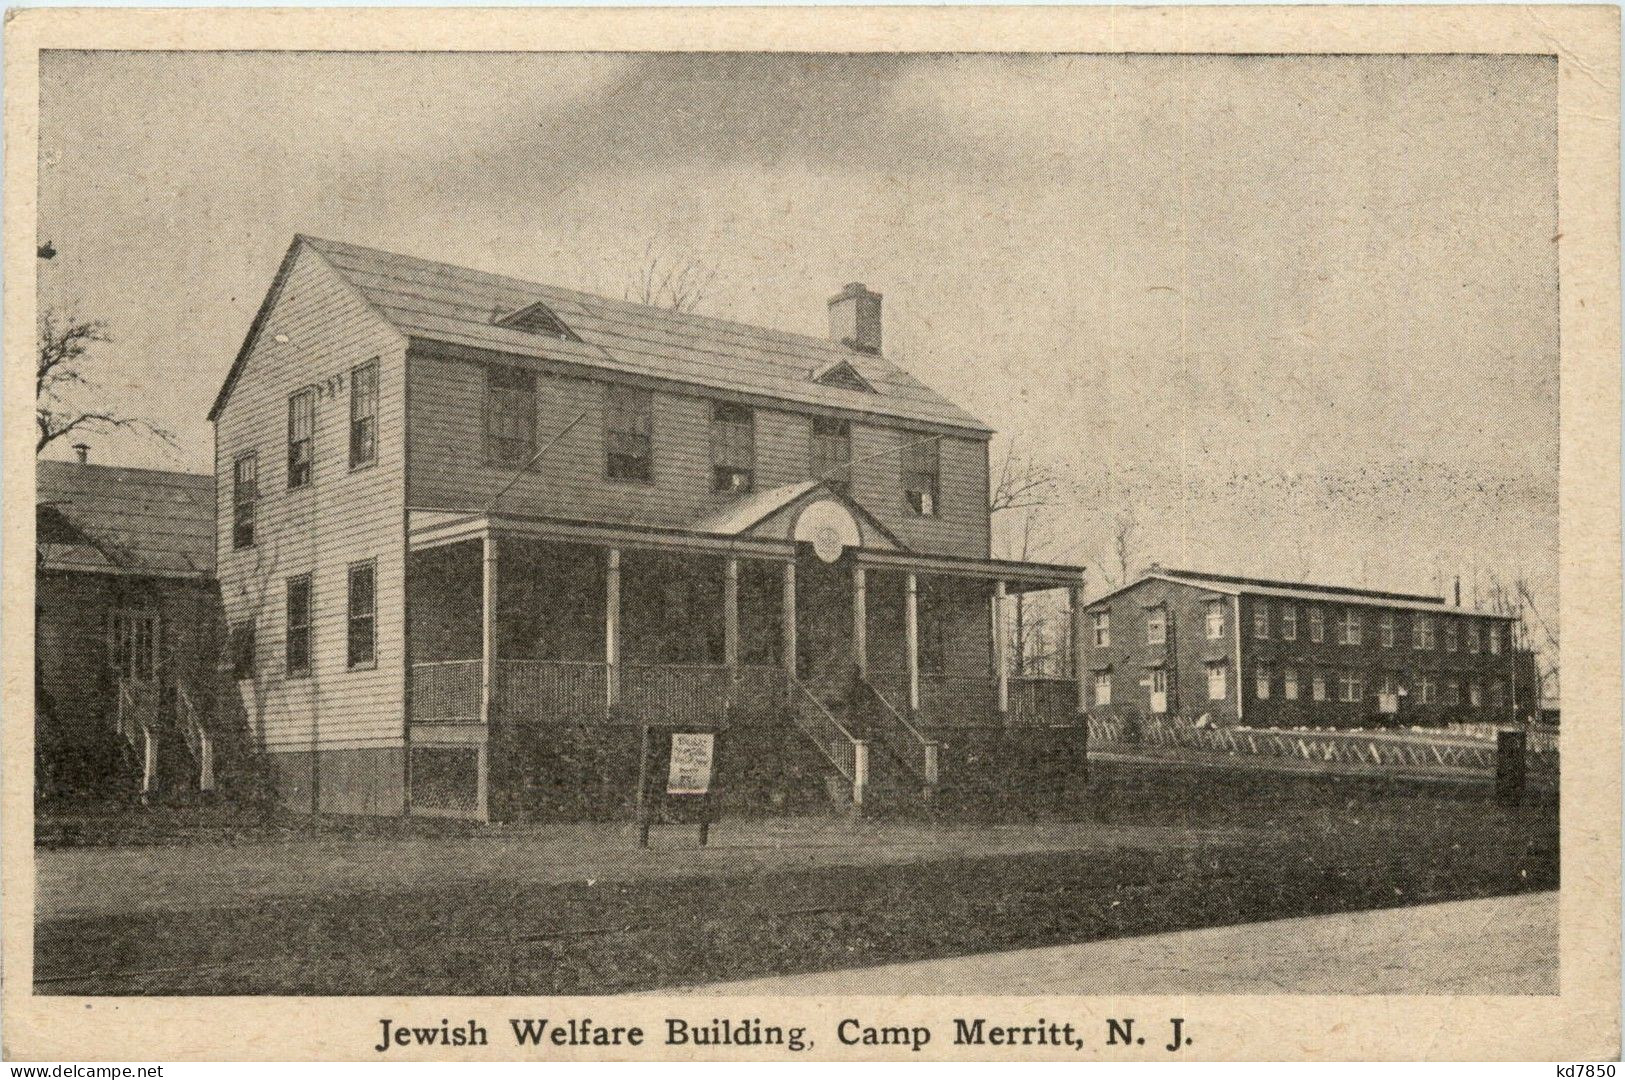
(810, 512)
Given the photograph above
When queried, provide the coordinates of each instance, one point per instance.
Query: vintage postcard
(824, 533)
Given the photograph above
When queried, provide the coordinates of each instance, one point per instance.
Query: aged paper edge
(1581, 1023)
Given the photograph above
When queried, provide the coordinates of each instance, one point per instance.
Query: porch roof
(429, 528)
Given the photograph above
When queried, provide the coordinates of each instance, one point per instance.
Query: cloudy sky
(1298, 316)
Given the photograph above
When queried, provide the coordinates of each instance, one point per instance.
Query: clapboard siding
(317, 331)
(448, 468)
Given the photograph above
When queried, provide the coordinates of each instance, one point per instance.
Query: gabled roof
(99, 518)
(1232, 585)
(436, 302)
(760, 511)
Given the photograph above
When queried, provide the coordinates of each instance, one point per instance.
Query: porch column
(911, 640)
(488, 631)
(612, 627)
(790, 619)
(1075, 596)
(1001, 659)
(730, 616)
(860, 620)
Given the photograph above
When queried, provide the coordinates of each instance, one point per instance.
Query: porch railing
(446, 692)
(552, 691)
(890, 728)
(949, 699)
(675, 693)
(1043, 700)
(827, 733)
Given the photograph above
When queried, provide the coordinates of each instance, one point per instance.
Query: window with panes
(510, 415)
(362, 642)
(733, 447)
(832, 452)
(301, 437)
(922, 475)
(297, 623)
(629, 432)
(364, 415)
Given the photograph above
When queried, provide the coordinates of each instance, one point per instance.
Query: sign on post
(677, 777)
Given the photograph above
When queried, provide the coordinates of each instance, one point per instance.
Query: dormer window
(844, 375)
(538, 318)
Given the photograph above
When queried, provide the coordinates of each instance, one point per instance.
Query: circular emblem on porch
(829, 527)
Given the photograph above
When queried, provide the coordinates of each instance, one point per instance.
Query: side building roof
(106, 519)
(1233, 585)
(437, 302)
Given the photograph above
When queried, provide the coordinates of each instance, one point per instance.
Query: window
(1103, 629)
(1496, 690)
(1427, 688)
(1452, 691)
(1475, 694)
(242, 651)
(1215, 620)
(1289, 684)
(1389, 687)
(301, 436)
(245, 490)
(1156, 626)
(1349, 686)
(922, 472)
(510, 415)
(1217, 682)
(133, 644)
(1472, 638)
(1348, 627)
(1385, 631)
(832, 452)
(1318, 687)
(1261, 619)
(1317, 625)
(1261, 682)
(1495, 641)
(364, 415)
(1289, 622)
(298, 626)
(362, 639)
(733, 447)
(1422, 636)
(629, 426)
(1103, 687)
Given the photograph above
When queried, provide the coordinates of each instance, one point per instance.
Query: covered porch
(844, 653)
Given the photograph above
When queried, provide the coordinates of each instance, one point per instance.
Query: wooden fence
(1410, 750)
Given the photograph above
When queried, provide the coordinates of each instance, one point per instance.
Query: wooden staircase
(880, 761)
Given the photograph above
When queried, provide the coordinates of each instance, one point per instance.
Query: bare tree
(1026, 487)
(65, 343)
(677, 284)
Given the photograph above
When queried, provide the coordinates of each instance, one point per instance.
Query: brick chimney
(854, 318)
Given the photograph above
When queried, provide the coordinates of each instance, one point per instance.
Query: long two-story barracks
(1265, 653)
(473, 532)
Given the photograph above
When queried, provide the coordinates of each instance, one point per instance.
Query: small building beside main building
(1240, 650)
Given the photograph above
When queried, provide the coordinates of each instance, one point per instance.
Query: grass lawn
(272, 906)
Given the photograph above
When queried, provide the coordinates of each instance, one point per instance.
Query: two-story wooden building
(1265, 653)
(473, 531)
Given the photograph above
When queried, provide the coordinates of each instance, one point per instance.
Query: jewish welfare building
(1262, 653)
(473, 532)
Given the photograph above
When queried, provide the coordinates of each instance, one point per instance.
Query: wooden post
(489, 713)
(149, 763)
(488, 631)
(612, 627)
(790, 620)
(730, 612)
(911, 640)
(205, 778)
(1001, 657)
(1078, 674)
(860, 772)
(860, 620)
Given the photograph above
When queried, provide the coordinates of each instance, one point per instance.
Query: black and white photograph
(800, 524)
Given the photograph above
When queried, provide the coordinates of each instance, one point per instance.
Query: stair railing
(848, 754)
(918, 751)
